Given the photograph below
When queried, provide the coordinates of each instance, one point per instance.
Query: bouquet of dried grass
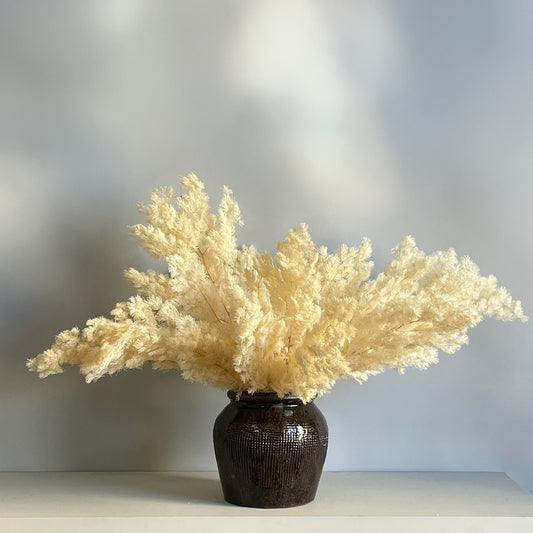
(293, 322)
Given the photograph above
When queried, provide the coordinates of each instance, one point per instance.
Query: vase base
(270, 499)
(255, 505)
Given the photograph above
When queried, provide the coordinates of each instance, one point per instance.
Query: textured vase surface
(270, 451)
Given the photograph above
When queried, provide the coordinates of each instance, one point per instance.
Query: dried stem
(208, 273)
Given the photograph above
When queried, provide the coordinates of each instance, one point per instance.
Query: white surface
(370, 501)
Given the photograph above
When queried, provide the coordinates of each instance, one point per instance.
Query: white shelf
(177, 501)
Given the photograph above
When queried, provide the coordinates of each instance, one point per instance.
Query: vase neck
(264, 398)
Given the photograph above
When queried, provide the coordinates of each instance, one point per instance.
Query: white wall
(373, 119)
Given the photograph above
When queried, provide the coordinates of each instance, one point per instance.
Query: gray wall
(373, 119)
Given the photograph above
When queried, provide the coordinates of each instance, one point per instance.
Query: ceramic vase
(269, 450)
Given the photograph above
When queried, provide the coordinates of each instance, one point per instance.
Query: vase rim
(262, 397)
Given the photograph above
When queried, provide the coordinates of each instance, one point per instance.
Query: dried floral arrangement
(293, 322)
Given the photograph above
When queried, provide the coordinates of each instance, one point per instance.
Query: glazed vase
(269, 450)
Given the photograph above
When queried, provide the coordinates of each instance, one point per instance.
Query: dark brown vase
(270, 451)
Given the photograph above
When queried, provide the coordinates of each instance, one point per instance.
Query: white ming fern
(293, 323)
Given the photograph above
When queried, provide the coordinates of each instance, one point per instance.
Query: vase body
(270, 451)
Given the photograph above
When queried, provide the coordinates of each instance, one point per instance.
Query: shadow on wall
(130, 421)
